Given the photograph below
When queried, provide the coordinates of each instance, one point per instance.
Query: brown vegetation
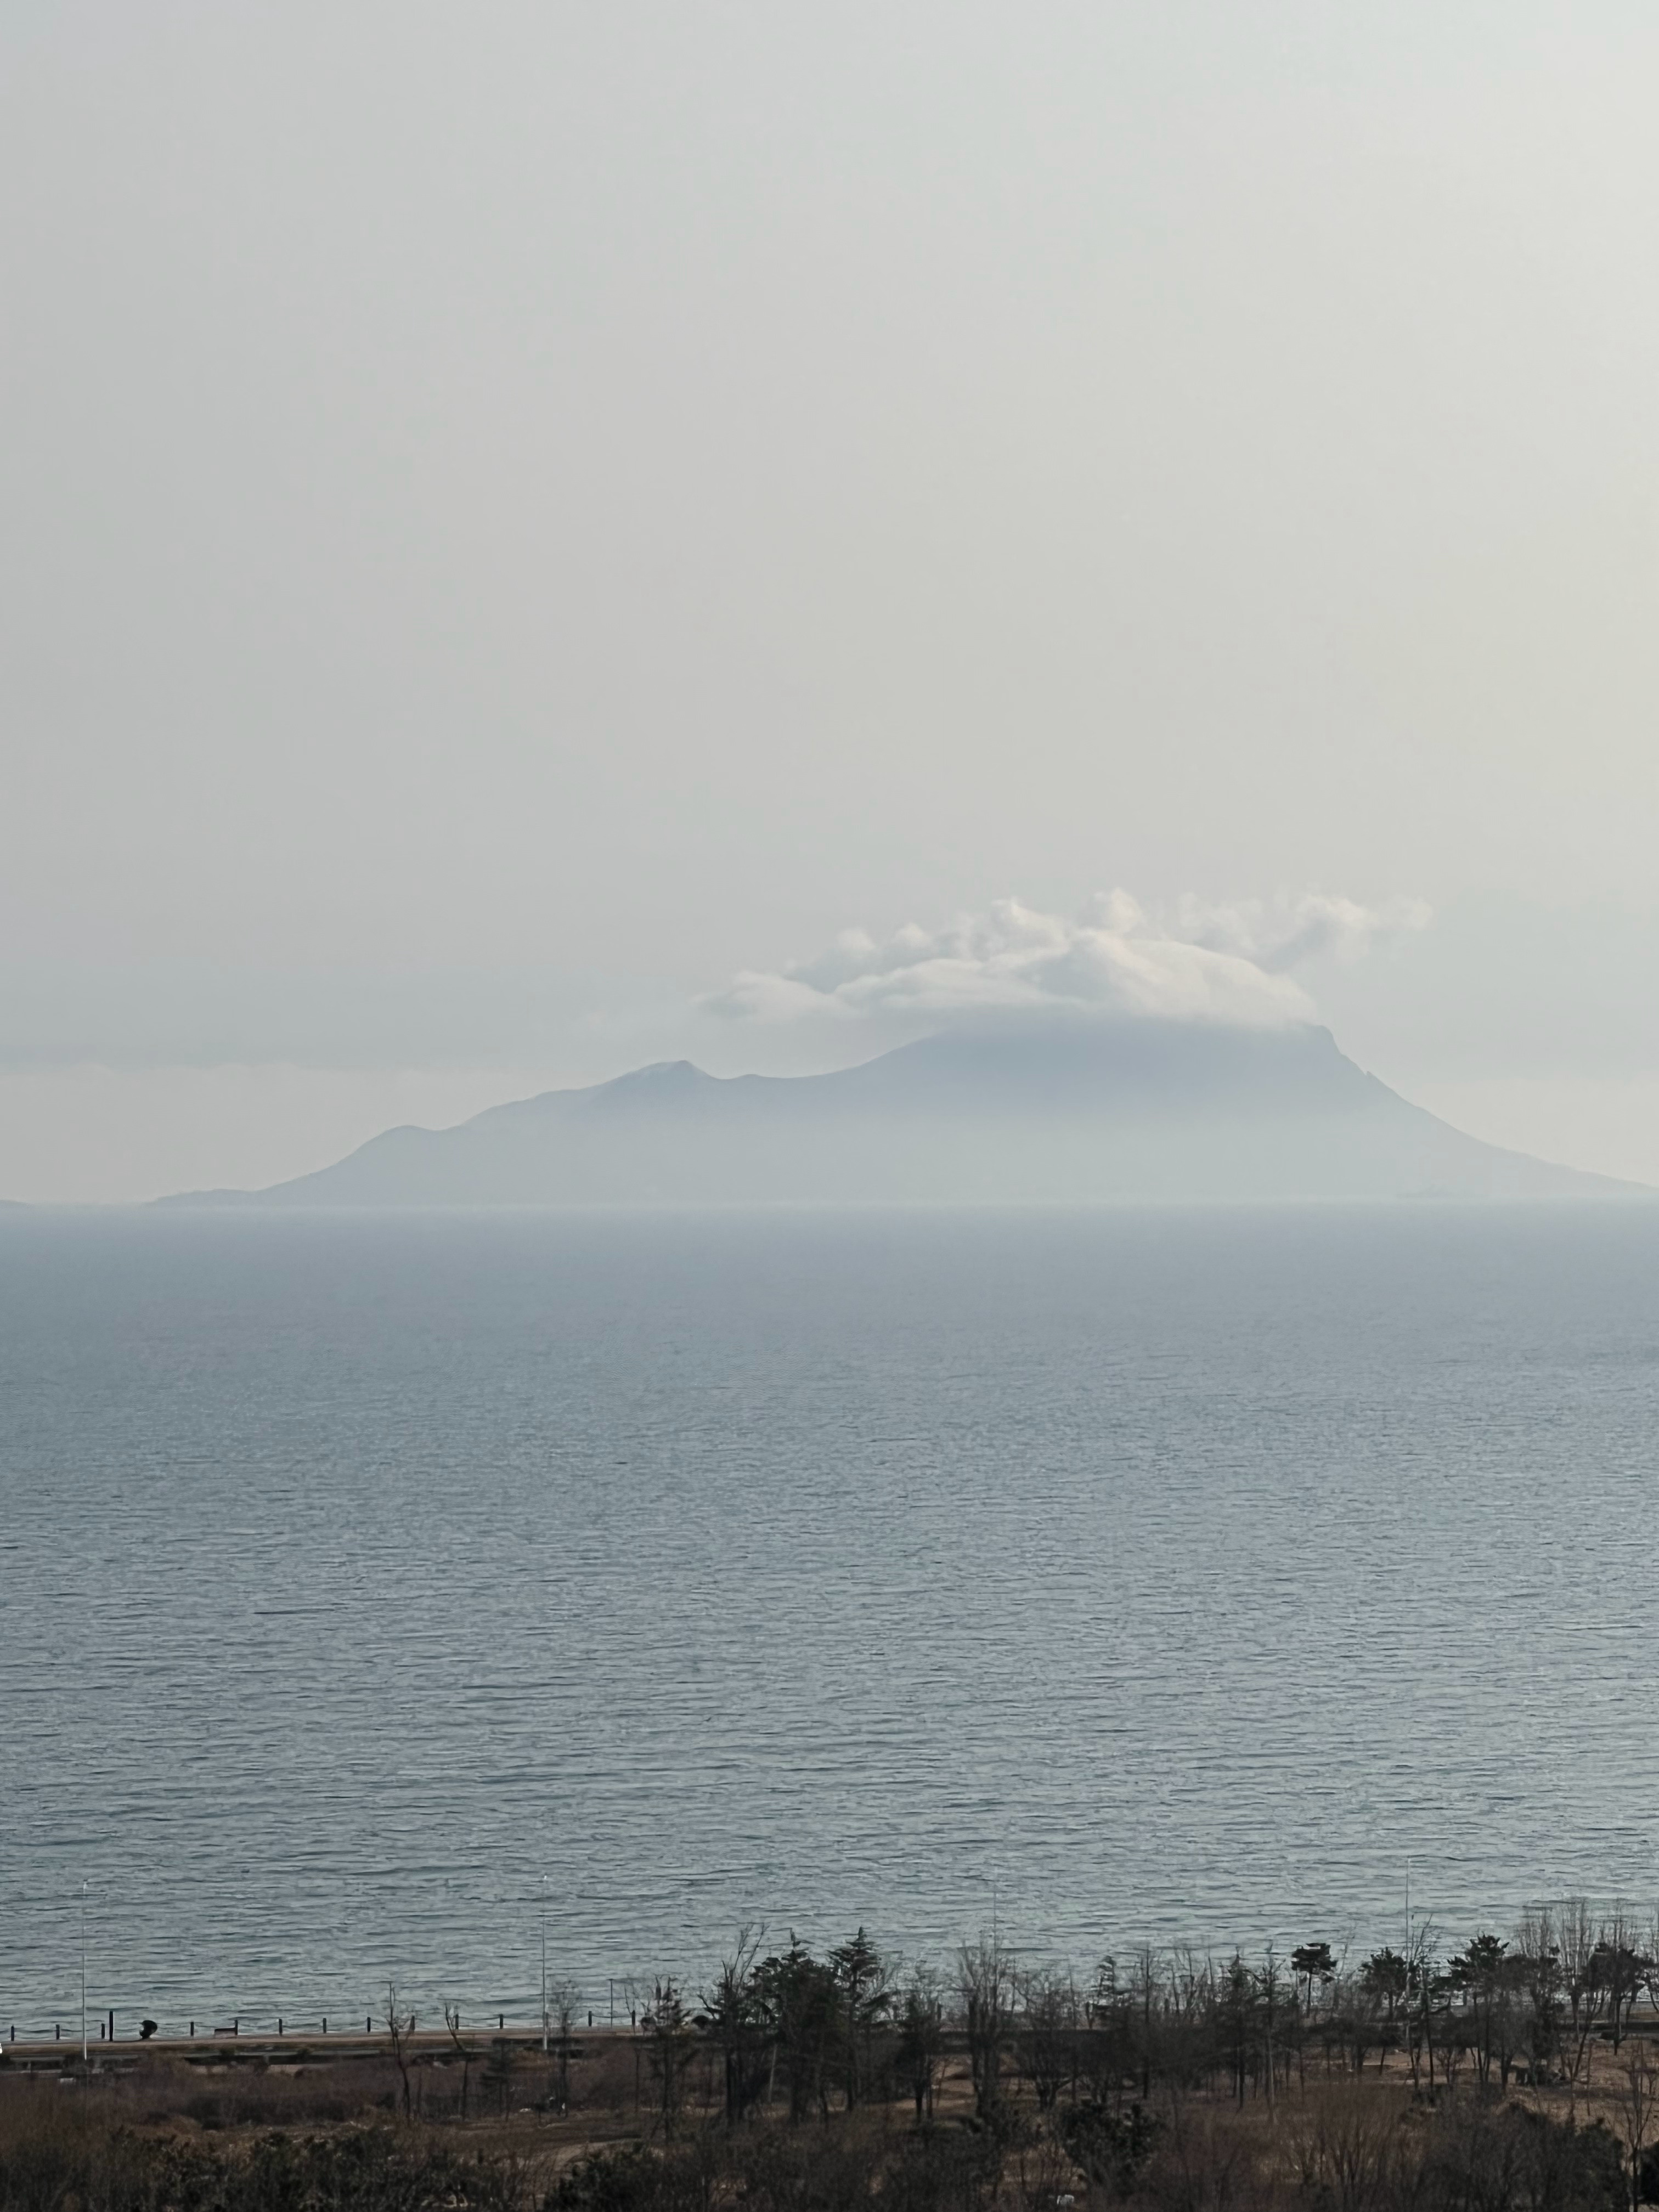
(1513, 2076)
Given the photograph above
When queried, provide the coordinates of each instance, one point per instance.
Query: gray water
(1166, 1575)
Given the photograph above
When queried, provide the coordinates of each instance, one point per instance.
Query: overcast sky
(515, 515)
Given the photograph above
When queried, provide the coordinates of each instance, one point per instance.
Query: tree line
(1509, 2073)
(807, 2032)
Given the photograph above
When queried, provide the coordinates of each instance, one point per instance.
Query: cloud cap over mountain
(1225, 965)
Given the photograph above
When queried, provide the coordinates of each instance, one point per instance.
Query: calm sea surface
(1133, 1576)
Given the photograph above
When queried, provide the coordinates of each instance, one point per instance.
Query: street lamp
(83, 1977)
(543, 1966)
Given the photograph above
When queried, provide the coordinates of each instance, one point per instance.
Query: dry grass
(1341, 2143)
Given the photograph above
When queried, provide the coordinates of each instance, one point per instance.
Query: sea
(382, 1598)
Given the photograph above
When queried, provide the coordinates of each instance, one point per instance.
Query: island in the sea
(1079, 1113)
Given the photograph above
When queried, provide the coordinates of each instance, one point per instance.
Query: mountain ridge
(1108, 1112)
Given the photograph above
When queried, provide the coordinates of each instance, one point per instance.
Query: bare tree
(985, 1983)
(1538, 1970)
(921, 2037)
(1270, 2002)
(500, 2069)
(1201, 2162)
(463, 2049)
(1620, 1969)
(1345, 2147)
(1635, 2101)
(1424, 1986)
(563, 2002)
(1046, 2041)
(1044, 2166)
(1145, 1991)
(399, 2027)
(1582, 1985)
(737, 2016)
(668, 2024)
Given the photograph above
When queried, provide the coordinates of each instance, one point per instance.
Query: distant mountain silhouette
(1119, 1111)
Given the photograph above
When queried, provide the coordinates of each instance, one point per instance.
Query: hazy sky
(513, 515)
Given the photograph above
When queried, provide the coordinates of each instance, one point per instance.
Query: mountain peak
(659, 1077)
(1071, 1113)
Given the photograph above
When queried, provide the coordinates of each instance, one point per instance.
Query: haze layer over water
(1171, 1576)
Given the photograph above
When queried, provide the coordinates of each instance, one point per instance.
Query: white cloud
(1208, 963)
(1279, 934)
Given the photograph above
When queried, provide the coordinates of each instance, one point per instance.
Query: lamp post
(83, 1976)
(543, 1966)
